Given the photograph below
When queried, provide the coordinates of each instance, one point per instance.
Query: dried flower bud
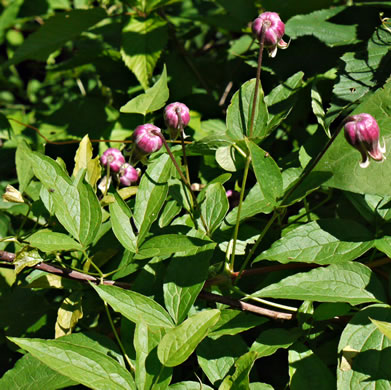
(362, 132)
(127, 175)
(146, 140)
(177, 117)
(112, 157)
(12, 195)
(274, 30)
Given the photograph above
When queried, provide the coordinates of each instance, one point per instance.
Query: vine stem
(253, 249)
(264, 301)
(187, 183)
(125, 355)
(248, 159)
(307, 170)
(182, 133)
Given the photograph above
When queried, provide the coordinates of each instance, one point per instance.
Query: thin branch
(81, 277)
(245, 306)
(66, 272)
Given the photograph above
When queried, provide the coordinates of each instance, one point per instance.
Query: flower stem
(182, 133)
(248, 159)
(257, 81)
(305, 173)
(187, 183)
(125, 355)
(253, 249)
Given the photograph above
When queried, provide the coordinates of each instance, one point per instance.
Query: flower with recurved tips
(113, 158)
(146, 139)
(128, 175)
(362, 132)
(272, 26)
(177, 117)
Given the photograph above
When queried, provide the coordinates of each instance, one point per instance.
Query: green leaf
(120, 222)
(260, 386)
(26, 258)
(151, 195)
(216, 357)
(342, 160)
(30, 373)
(325, 241)
(254, 203)
(149, 371)
(152, 100)
(267, 173)
(68, 315)
(316, 24)
(8, 16)
(317, 109)
(180, 342)
(23, 166)
(384, 327)
(82, 364)
(240, 378)
(170, 211)
(48, 241)
(84, 160)
(361, 71)
(185, 277)
(239, 112)
(232, 322)
(75, 204)
(143, 40)
(228, 158)
(347, 282)
(168, 244)
(134, 306)
(307, 370)
(188, 385)
(60, 28)
(90, 212)
(215, 206)
(271, 340)
(365, 352)
(281, 100)
(326, 311)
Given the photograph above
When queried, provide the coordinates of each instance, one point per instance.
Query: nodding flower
(177, 117)
(363, 133)
(273, 28)
(146, 140)
(128, 175)
(113, 158)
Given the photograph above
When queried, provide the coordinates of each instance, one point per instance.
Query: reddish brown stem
(79, 276)
(245, 306)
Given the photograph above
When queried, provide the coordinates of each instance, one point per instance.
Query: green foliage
(251, 253)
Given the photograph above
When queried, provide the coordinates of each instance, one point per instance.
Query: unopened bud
(112, 157)
(273, 28)
(128, 175)
(177, 117)
(145, 138)
(12, 195)
(362, 132)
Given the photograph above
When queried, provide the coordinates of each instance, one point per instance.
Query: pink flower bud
(112, 157)
(128, 175)
(362, 132)
(145, 139)
(273, 29)
(177, 117)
